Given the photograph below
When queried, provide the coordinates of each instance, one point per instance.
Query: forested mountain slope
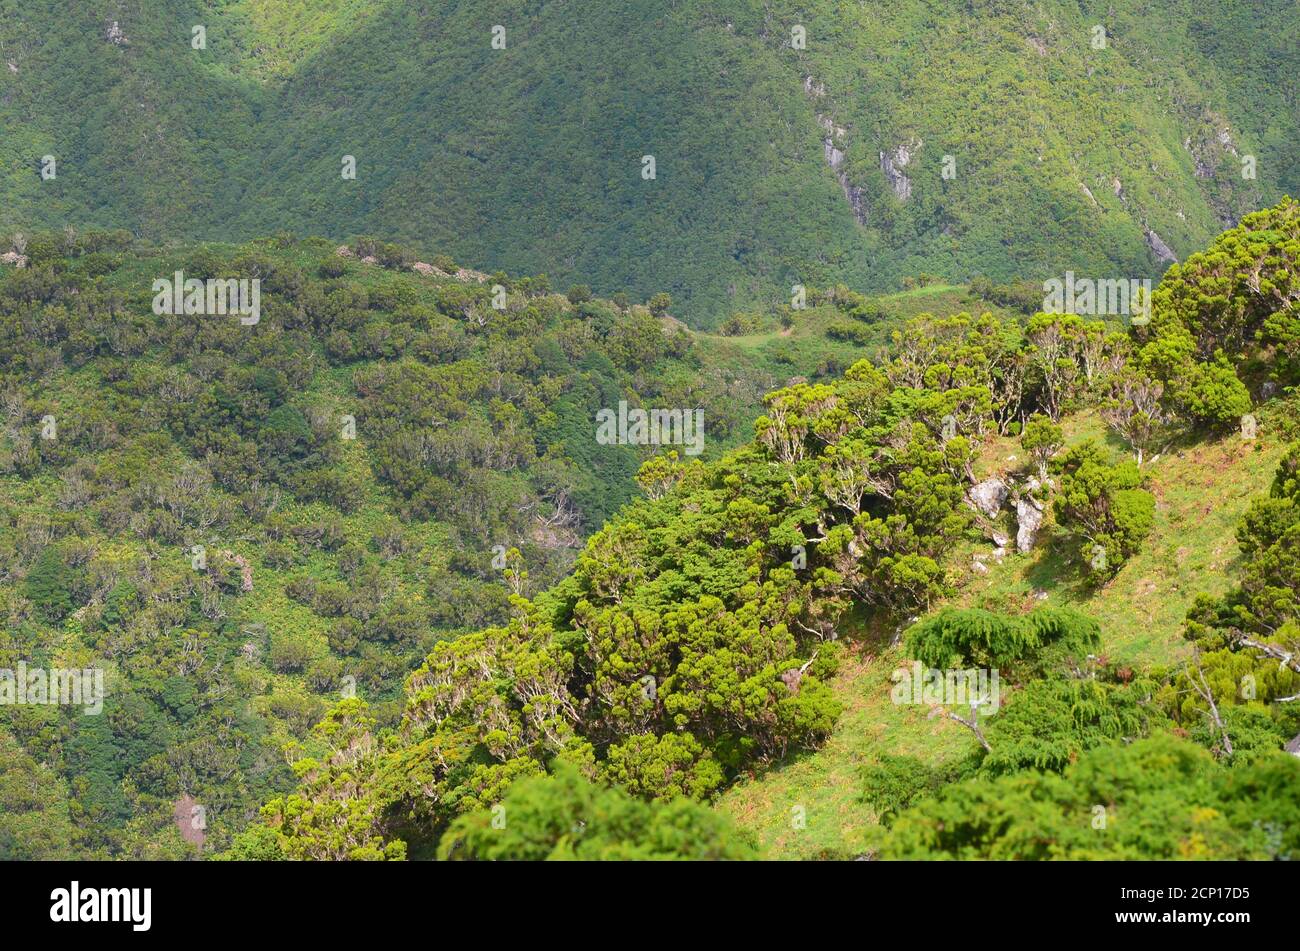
(987, 137)
(740, 622)
(239, 519)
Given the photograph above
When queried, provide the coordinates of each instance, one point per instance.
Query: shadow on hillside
(1057, 569)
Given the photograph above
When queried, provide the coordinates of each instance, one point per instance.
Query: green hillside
(529, 157)
(1202, 492)
(356, 469)
(1119, 684)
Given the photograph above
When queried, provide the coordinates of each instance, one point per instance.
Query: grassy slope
(1200, 490)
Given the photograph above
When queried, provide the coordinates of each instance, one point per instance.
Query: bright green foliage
(1158, 798)
(1223, 296)
(1211, 394)
(1048, 723)
(1104, 506)
(564, 816)
(1042, 439)
(1224, 307)
(34, 819)
(895, 782)
(972, 637)
(257, 843)
(322, 820)
(663, 767)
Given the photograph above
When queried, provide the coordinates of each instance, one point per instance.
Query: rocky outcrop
(1211, 145)
(988, 497)
(995, 495)
(893, 163)
(1029, 516)
(834, 157)
(833, 152)
(1158, 247)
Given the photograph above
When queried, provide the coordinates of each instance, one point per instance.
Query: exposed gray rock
(1029, 516)
(856, 199)
(1029, 519)
(835, 159)
(893, 163)
(1162, 250)
(834, 155)
(988, 496)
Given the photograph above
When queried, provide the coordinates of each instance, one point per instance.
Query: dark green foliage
(1049, 723)
(1159, 798)
(564, 816)
(960, 638)
(49, 585)
(893, 783)
(1039, 125)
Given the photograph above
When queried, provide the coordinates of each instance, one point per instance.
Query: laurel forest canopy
(812, 142)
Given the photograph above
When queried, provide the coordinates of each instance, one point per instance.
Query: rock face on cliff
(834, 154)
(1159, 248)
(892, 164)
